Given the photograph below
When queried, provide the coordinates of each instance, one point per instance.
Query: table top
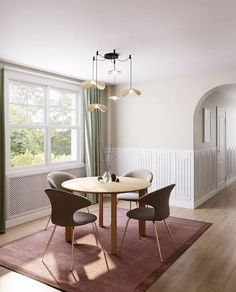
(92, 185)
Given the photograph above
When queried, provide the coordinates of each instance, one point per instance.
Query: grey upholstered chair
(55, 179)
(65, 212)
(159, 210)
(138, 173)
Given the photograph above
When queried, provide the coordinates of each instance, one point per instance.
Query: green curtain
(2, 155)
(92, 133)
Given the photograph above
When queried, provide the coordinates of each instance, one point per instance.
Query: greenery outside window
(43, 122)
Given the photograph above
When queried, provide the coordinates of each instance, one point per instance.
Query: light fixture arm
(96, 76)
(130, 72)
(93, 68)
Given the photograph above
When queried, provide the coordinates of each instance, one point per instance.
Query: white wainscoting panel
(168, 166)
(204, 175)
(205, 172)
(231, 162)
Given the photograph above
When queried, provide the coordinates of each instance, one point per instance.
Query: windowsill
(40, 170)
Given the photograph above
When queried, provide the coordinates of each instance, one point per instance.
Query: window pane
(36, 95)
(27, 147)
(17, 93)
(63, 145)
(56, 118)
(63, 99)
(17, 114)
(35, 115)
(24, 93)
(26, 103)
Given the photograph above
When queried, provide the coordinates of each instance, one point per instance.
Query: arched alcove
(214, 165)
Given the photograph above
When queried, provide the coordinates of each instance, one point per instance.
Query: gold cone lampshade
(114, 97)
(98, 106)
(131, 90)
(92, 83)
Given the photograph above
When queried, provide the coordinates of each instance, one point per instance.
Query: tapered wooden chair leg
(123, 238)
(49, 241)
(157, 238)
(99, 240)
(72, 249)
(171, 236)
(47, 223)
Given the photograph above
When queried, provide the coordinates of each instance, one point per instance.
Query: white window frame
(47, 82)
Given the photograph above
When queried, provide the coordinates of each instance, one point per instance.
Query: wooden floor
(209, 265)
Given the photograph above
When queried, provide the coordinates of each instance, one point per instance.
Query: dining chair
(133, 197)
(65, 213)
(55, 179)
(158, 210)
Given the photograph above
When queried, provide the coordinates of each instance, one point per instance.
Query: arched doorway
(214, 142)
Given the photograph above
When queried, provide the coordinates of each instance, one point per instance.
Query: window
(43, 122)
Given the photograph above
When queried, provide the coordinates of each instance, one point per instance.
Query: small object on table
(100, 179)
(113, 177)
(117, 180)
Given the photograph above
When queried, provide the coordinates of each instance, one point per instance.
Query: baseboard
(181, 204)
(209, 195)
(230, 181)
(26, 218)
(204, 198)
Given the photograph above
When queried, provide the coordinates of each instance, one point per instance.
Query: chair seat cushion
(82, 218)
(142, 213)
(128, 197)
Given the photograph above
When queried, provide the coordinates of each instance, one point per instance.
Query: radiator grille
(26, 193)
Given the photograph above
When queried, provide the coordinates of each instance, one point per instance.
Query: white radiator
(25, 196)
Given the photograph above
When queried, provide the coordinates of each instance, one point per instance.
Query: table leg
(113, 223)
(68, 233)
(101, 210)
(142, 224)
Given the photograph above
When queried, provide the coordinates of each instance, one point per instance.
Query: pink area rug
(135, 269)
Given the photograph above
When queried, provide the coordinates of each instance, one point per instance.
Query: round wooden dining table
(93, 186)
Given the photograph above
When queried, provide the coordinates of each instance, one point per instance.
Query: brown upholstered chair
(159, 210)
(138, 173)
(55, 179)
(65, 212)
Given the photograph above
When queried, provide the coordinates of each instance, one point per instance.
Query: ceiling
(165, 37)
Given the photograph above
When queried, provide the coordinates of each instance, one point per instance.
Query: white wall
(162, 117)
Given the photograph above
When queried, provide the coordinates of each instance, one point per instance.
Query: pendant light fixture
(115, 73)
(131, 90)
(99, 106)
(92, 83)
(113, 57)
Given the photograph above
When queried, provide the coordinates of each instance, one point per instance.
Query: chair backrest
(64, 205)
(159, 200)
(56, 178)
(140, 173)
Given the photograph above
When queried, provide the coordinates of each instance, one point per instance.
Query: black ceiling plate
(111, 56)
